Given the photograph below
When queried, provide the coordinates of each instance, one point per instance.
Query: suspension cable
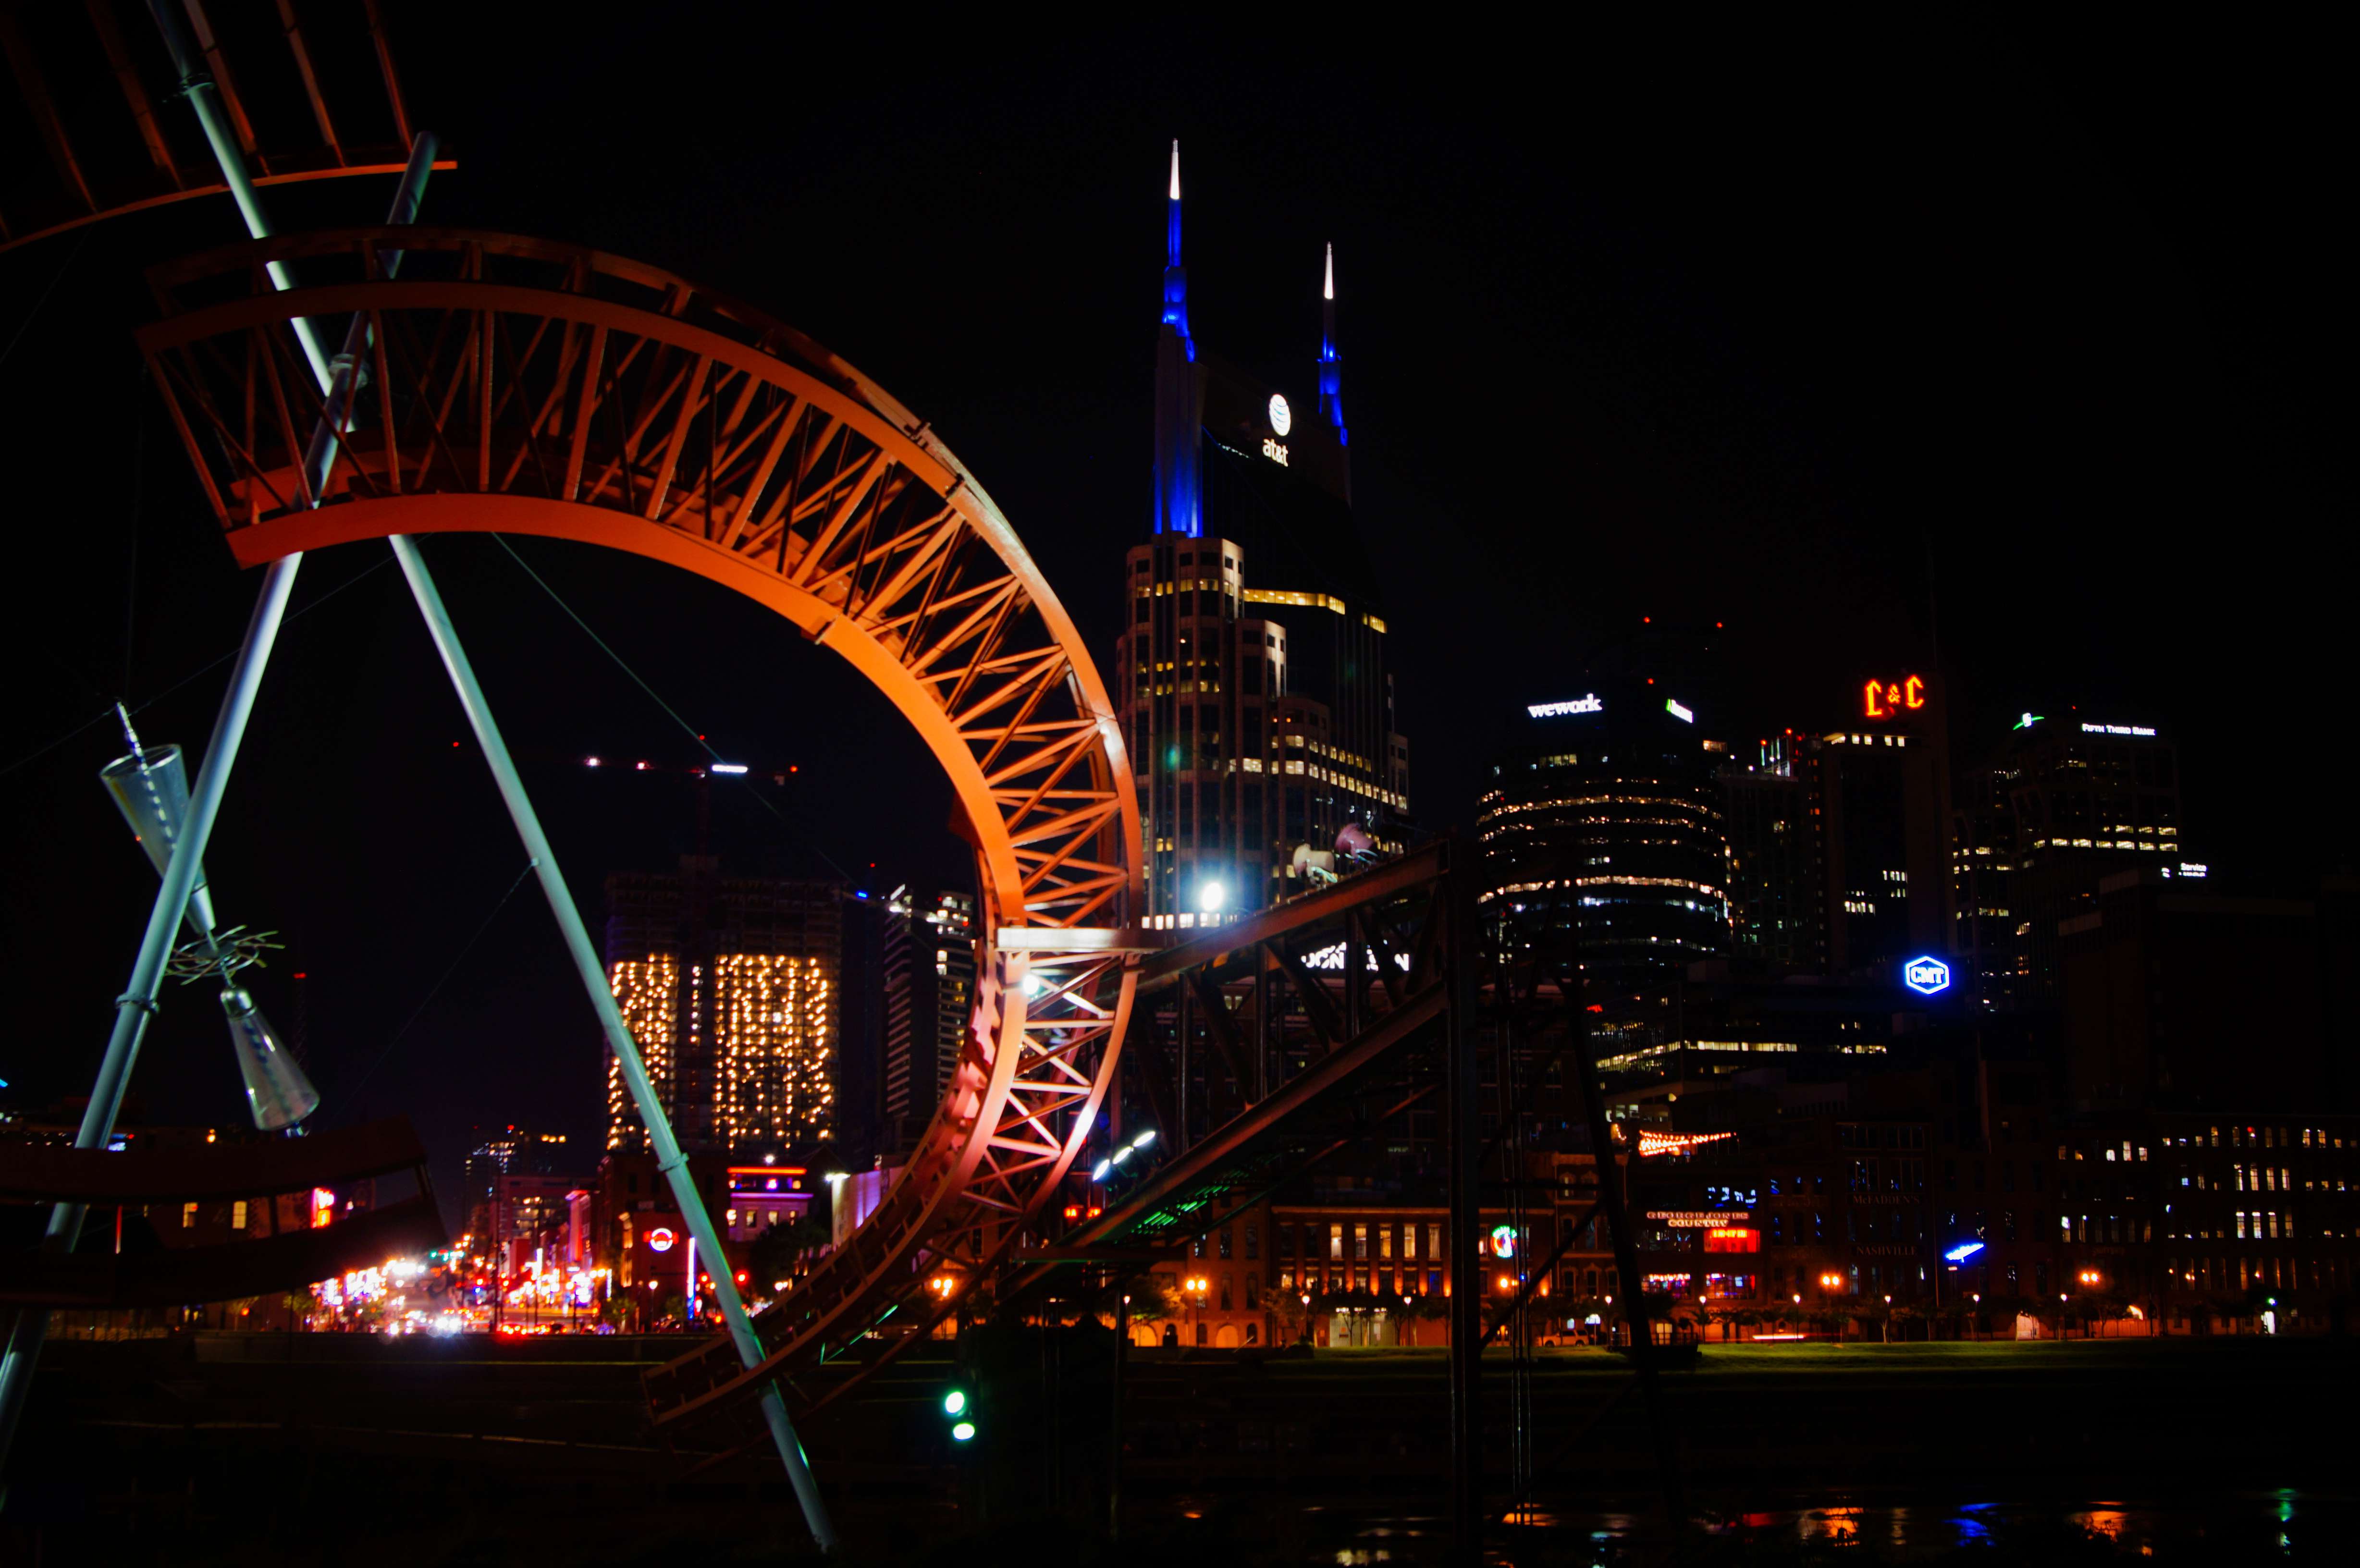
(686, 728)
(353, 1088)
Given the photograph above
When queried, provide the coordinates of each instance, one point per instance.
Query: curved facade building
(1603, 824)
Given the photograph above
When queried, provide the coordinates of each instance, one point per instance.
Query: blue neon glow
(1964, 1251)
(1178, 434)
(1175, 277)
(1331, 366)
(1926, 974)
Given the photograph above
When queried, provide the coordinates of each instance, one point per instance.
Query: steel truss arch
(527, 387)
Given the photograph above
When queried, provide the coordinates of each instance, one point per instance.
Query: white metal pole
(669, 1158)
(137, 1003)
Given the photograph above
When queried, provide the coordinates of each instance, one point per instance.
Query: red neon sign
(1888, 698)
(1733, 1239)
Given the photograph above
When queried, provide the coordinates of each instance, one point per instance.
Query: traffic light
(957, 1408)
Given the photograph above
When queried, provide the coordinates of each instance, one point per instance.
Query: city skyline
(995, 883)
(1604, 282)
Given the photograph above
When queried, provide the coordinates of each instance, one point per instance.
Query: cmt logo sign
(1889, 698)
(1926, 976)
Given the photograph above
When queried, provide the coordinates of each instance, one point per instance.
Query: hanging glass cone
(276, 1089)
(151, 789)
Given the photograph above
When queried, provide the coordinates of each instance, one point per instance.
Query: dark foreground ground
(359, 1450)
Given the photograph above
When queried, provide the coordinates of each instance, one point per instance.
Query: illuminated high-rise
(928, 963)
(1251, 673)
(1602, 835)
(2062, 803)
(732, 987)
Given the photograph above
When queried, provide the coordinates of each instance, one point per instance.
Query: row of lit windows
(2277, 1273)
(2258, 1138)
(1554, 884)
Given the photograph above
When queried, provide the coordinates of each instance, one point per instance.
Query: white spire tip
(1176, 168)
(1329, 290)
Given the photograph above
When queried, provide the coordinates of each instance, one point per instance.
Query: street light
(1196, 1287)
(1106, 1167)
(1211, 896)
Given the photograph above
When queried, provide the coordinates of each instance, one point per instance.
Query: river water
(2285, 1526)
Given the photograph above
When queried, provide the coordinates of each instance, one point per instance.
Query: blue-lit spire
(1179, 400)
(1175, 277)
(1331, 368)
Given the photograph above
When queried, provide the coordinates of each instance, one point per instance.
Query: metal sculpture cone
(276, 1089)
(151, 789)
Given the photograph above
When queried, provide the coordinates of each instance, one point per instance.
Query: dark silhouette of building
(860, 1059)
(1777, 881)
(2176, 996)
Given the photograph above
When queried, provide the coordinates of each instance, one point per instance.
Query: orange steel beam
(583, 402)
(384, 69)
(295, 177)
(310, 79)
(134, 92)
(42, 107)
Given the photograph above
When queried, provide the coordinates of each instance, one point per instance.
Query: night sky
(1826, 340)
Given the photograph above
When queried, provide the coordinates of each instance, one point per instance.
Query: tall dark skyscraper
(1251, 673)
(1777, 882)
(1605, 821)
(928, 962)
(732, 987)
(1881, 790)
(860, 1047)
(2062, 803)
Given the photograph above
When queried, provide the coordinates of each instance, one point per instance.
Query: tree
(777, 1251)
(1154, 1298)
(1290, 1319)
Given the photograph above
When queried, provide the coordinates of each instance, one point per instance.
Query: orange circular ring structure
(525, 386)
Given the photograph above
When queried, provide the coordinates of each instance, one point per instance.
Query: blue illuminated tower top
(1179, 395)
(1175, 277)
(1331, 365)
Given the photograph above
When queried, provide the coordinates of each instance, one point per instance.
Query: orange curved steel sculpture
(526, 386)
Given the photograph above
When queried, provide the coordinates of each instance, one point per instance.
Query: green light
(954, 1402)
(963, 1432)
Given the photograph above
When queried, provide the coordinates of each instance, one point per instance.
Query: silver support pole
(204, 97)
(137, 1003)
(133, 1007)
(669, 1158)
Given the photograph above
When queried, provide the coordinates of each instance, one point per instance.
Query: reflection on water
(2283, 1526)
